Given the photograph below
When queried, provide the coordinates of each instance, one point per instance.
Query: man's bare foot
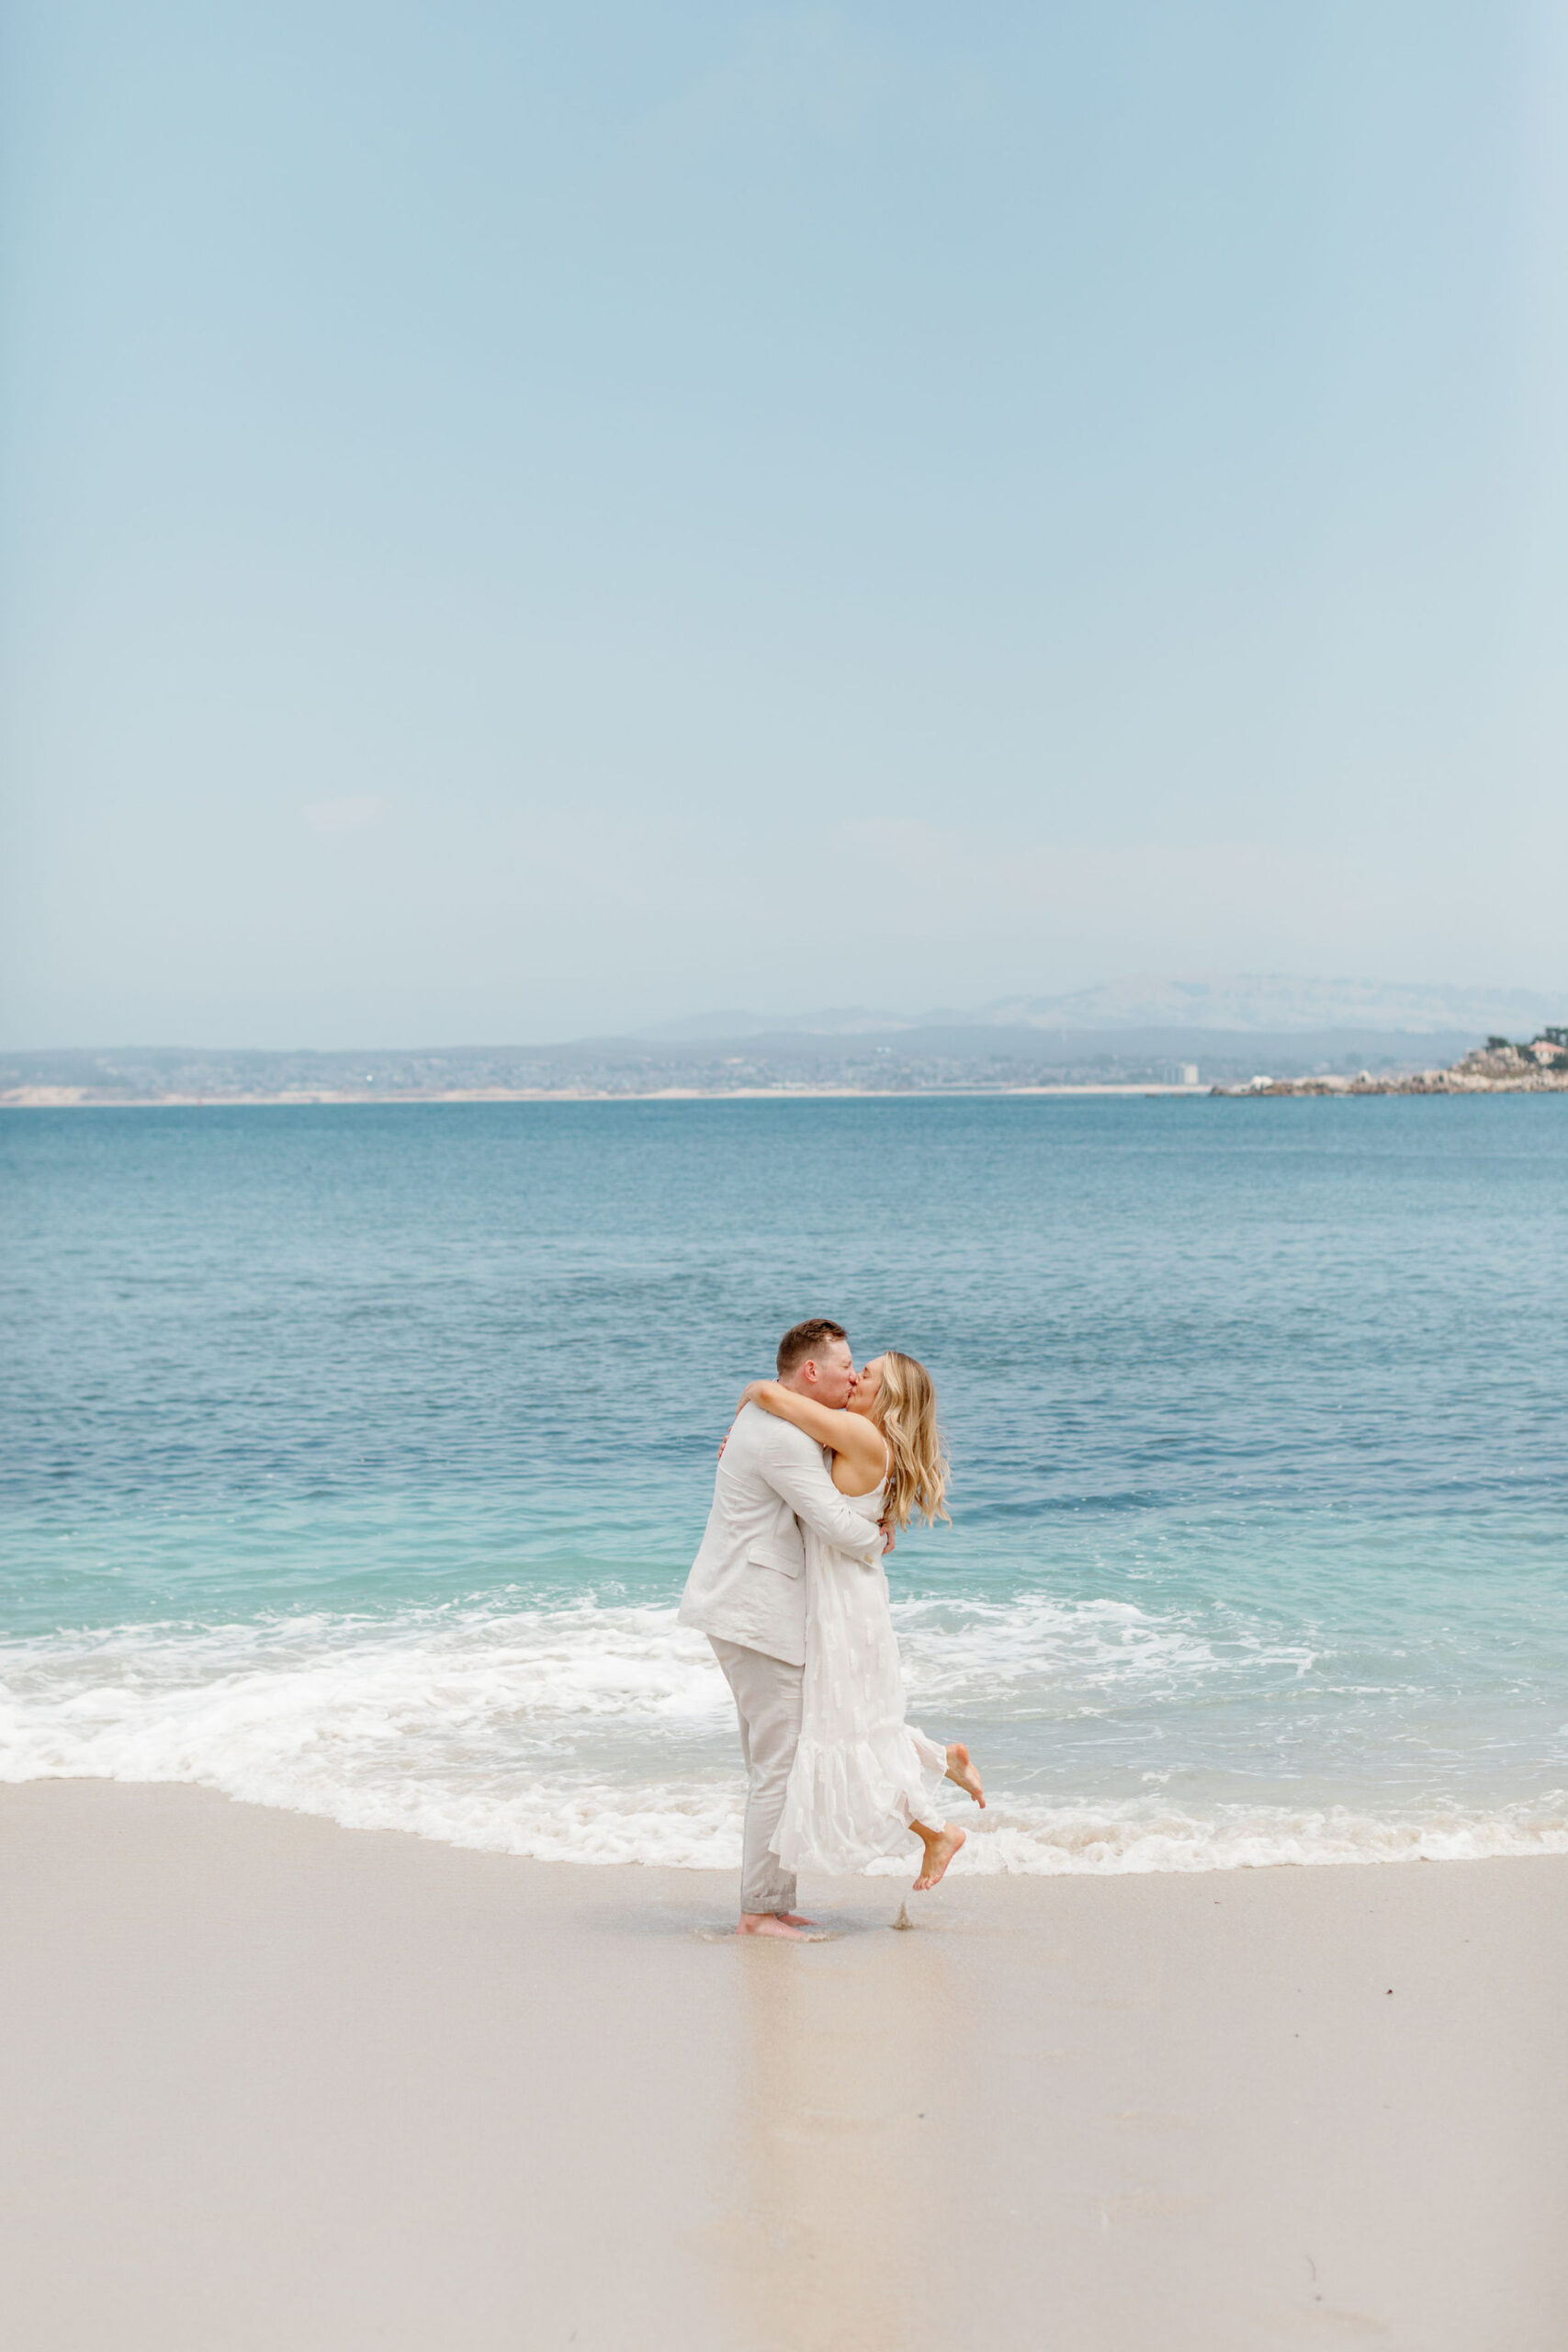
(941, 1846)
(793, 1919)
(963, 1773)
(769, 1923)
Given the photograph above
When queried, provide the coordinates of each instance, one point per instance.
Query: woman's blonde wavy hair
(905, 1411)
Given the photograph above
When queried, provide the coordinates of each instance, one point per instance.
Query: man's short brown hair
(803, 1340)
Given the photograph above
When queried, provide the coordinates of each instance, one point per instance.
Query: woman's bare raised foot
(940, 1850)
(962, 1773)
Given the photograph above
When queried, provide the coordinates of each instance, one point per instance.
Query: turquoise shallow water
(353, 1458)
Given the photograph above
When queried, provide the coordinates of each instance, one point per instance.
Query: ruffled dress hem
(850, 1804)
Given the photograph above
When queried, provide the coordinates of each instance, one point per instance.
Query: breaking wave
(604, 1734)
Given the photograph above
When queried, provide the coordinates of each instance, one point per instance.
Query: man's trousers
(767, 1701)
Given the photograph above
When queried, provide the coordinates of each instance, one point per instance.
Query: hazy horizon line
(1233, 1004)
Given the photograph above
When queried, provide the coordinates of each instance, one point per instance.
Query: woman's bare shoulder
(862, 1464)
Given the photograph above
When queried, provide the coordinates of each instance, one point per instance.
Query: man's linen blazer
(748, 1581)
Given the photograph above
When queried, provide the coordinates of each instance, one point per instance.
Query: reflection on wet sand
(833, 2205)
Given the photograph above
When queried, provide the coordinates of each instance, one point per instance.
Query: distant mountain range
(1260, 1002)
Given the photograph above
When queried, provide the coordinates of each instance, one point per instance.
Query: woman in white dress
(864, 1779)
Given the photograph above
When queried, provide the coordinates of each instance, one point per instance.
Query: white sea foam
(604, 1734)
(1045, 1840)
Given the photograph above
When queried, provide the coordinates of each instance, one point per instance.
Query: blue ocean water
(353, 1457)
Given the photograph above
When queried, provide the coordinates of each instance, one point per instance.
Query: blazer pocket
(788, 1563)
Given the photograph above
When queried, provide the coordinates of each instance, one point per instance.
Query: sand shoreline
(67, 1098)
(272, 2083)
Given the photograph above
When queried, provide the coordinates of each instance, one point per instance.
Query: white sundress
(860, 1774)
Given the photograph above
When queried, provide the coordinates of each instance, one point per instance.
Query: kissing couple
(819, 1467)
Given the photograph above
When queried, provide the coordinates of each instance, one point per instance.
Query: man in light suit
(747, 1593)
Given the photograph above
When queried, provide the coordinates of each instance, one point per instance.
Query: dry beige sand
(271, 2085)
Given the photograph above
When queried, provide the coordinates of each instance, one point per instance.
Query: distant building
(1188, 1073)
(1547, 1046)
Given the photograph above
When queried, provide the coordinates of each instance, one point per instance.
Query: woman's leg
(940, 1845)
(962, 1773)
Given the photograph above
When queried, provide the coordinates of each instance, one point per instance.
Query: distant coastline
(1538, 1066)
(1427, 1082)
(789, 1066)
(67, 1098)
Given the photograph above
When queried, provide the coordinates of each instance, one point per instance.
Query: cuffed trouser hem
(773, 1894)
(767, 1692)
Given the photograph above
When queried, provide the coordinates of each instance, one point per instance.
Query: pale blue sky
(524, 520)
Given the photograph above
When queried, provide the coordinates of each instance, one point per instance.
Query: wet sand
(273, 2084)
